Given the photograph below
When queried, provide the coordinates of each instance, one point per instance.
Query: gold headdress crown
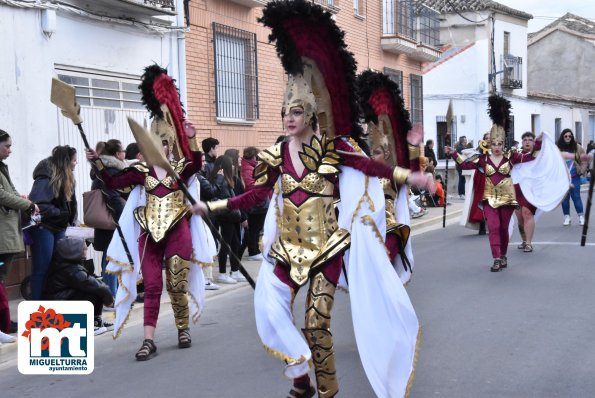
(497, 135)
(299, 93)
(381, 135)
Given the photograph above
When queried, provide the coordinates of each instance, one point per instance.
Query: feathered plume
(379, 95)
(303, 29)
(499, 111)
(158, 88)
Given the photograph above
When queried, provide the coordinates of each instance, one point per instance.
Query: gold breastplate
(501, 194)
(309, 234)
(161, 214)
(503, 169)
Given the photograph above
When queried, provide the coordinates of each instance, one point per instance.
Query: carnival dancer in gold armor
(498, 197)
(393, 142)
(158, 219)
(303, 239)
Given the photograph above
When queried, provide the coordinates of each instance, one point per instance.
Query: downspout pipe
(181, 50)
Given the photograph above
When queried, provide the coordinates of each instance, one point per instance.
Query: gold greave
(323, 357)
(177, 270)
(319, 304)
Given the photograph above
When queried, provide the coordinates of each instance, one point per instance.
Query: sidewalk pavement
(429, 221)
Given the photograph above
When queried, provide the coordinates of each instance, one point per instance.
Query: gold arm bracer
(400, 175)
(218, 206)
(414, 151)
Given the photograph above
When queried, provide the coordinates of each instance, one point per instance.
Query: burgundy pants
(177, 241)
(498, 221)
(392, 245)
(331, 270)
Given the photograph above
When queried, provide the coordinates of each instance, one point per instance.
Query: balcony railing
(161, 3)
(409, 27)
(512, 75)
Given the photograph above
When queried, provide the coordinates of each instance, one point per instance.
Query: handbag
(95, 212)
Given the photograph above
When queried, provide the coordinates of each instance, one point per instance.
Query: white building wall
(517, 47)
(28, 64)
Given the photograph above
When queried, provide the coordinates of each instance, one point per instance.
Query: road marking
(553, 243)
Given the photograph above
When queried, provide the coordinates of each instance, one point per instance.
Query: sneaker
(211, 286)
(225, 278)
(255, 257)
(566, 220)
(6, 338)
(581, 220)
(109, 308)
(237, 276)
(109, 326)
(101, 327)
(98, 330)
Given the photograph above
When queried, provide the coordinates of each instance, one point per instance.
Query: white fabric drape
(384, 321)
(402, 216)
(544, 181)
(128, 275)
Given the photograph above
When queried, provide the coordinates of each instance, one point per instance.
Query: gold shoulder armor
(141, 166)
(272, 155)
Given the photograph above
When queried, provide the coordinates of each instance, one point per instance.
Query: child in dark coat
(68, 279)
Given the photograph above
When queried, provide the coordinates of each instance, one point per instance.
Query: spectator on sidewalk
(11, 243)
(461, 146)
(113, 160)
(53, 192)
(69, 280)
(576, 161)
(209, 148)
(429, 153)
(257, 214)
(222, 176)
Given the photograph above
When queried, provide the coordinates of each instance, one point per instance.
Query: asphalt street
(524, 332)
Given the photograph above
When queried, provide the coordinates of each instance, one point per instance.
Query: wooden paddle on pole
(63, 95)
(449, 117)
(151, 149)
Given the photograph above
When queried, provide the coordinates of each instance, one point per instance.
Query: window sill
(235, 122)
(360, 17)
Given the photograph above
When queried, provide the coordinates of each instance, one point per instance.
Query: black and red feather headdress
(162, 99)
(384, 110)
(306, 37)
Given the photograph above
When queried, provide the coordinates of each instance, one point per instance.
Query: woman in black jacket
(222, 177)
(53, 193)
(69, 280)
(113, 159)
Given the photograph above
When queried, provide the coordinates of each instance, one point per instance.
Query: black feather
(146, 88)
(499, 111)
(368, 82)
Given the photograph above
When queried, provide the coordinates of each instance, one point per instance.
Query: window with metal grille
(429, 26)
(103, 91)
(417, 103)
(396, 76)
(236, 74)
(557, 127)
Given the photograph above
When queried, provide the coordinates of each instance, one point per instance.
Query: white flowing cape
(385, 324)
(544, 181)
(128, 275)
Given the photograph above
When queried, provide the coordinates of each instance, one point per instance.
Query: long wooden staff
(63, 96)
(589, 201)
(449, 116)
(153, 155)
